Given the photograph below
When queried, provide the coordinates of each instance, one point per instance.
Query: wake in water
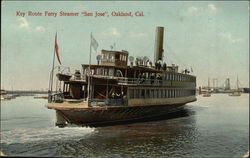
(25, 135)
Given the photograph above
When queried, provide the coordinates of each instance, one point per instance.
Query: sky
(211, 37)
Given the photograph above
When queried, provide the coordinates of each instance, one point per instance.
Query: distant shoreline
(25, 92)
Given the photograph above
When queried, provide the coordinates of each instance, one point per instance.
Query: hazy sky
(211, 37)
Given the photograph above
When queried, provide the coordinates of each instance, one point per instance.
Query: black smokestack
(159, 35)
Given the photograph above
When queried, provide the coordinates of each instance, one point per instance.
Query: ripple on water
(213, 127)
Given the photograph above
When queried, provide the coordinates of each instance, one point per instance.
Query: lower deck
(70, 104)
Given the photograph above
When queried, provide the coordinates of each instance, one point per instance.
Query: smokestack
(159, 34)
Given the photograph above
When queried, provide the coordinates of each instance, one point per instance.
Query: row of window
(105, 71)
(159, 93)
(113, 57)
(178, 77)
(102, 71)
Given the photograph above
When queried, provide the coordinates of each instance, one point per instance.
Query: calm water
(216, 126)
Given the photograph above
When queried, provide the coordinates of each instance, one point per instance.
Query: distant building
(3, 91)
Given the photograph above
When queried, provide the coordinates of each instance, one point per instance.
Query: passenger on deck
(164, 66)
(159, 66)
(152, 77)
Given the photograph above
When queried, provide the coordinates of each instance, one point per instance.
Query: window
(111, 72)
(159, 93)
(142, 93)
(112, 58)
(98, 71)
(147, 93)
(106, 72)
(117, 57)
(131, 93)
(156, 93)
(152, 93)
(136, 93)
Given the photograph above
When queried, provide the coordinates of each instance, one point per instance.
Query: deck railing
(55, 98)
(109, 102)
(140, 81)
(122, 80)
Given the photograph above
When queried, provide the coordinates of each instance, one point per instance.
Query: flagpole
(52, 74)
(88, 99)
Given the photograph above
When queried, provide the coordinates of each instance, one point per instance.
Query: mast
(208, 83)
(88, 98)
(237, 84)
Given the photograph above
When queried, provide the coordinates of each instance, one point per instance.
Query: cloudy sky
(211, 37)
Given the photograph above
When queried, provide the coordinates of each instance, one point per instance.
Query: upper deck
(140, 72)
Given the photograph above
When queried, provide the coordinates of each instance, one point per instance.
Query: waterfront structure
(208, 92)
(2, 92)
(114, 91)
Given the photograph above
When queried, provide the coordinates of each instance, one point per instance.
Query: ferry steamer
(121, 88)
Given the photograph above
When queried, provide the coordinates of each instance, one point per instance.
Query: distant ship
(246, 90)
(237, 92)
(115, 91)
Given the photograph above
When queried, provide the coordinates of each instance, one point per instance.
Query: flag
(94, 43)
(57, 50)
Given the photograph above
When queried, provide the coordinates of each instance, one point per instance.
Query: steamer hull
(118, 114)
(93, 116)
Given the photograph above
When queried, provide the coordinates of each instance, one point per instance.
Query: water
(216, 126)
